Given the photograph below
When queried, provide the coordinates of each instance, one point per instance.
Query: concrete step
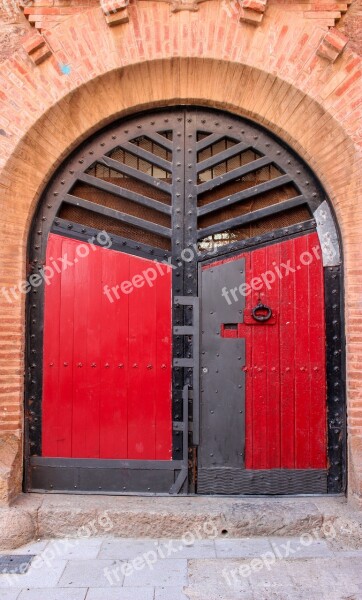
(42, 516)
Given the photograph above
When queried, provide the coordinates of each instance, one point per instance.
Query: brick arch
(315, 114)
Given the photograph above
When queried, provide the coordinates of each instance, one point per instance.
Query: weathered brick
(332, 45)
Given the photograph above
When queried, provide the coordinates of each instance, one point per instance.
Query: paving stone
(32, 548)
(242, 548)
(172, 572)
(181, 549)
(126, 549)
(300, 547)
(54, 594)
(213, 580)
(169, 593)
(40, 575)
(92, 573)
(9, 594)
(74, 549)
(139, 593)
(339, 576)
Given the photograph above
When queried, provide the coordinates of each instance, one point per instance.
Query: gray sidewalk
(261, 568)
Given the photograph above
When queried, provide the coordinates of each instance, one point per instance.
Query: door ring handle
(261, 318)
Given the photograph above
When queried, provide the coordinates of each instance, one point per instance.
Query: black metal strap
(182, 476)
(193, 363)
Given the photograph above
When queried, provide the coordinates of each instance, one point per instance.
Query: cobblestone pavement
(261, 568)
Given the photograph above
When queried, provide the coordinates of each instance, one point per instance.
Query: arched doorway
(185, 330)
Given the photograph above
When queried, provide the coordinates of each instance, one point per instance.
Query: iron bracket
(193, 363)
(182, 476)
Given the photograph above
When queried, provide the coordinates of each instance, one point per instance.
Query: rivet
(120, 365)
(107, 365)
(65, 364)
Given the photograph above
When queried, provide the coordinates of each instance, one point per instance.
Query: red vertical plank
(246, 332)
(142, 355)
(51, 398)
(114, 346)
(302, 358)
(287, 355)
(65, 405)
(317, 351)
(259, 362)
(93, 365)
(82, 299)
(272, 299)
(164, 365)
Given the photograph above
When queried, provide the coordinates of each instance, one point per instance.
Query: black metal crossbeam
(221, 157)
(119, 216)
(131, 172)
(234, 174)
(140, 152)
(121, 192)
(261, 188)
(262, 213)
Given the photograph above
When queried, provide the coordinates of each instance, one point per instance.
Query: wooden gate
(263, 399)
(117, 396)
(107, 360)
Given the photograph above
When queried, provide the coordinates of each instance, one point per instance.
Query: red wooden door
(263, 376)
(107, 364)
(285, 358)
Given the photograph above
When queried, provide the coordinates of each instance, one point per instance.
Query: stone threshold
(45, 516)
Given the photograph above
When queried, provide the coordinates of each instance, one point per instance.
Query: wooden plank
(113, 395)
(142, 336)
(164, 365)
(122, 355)
(82, 299)
(259, 362)
(93, 368)
(302, 359)
(272, 332)
(287, 357)
(65, 324)
(51, 396)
